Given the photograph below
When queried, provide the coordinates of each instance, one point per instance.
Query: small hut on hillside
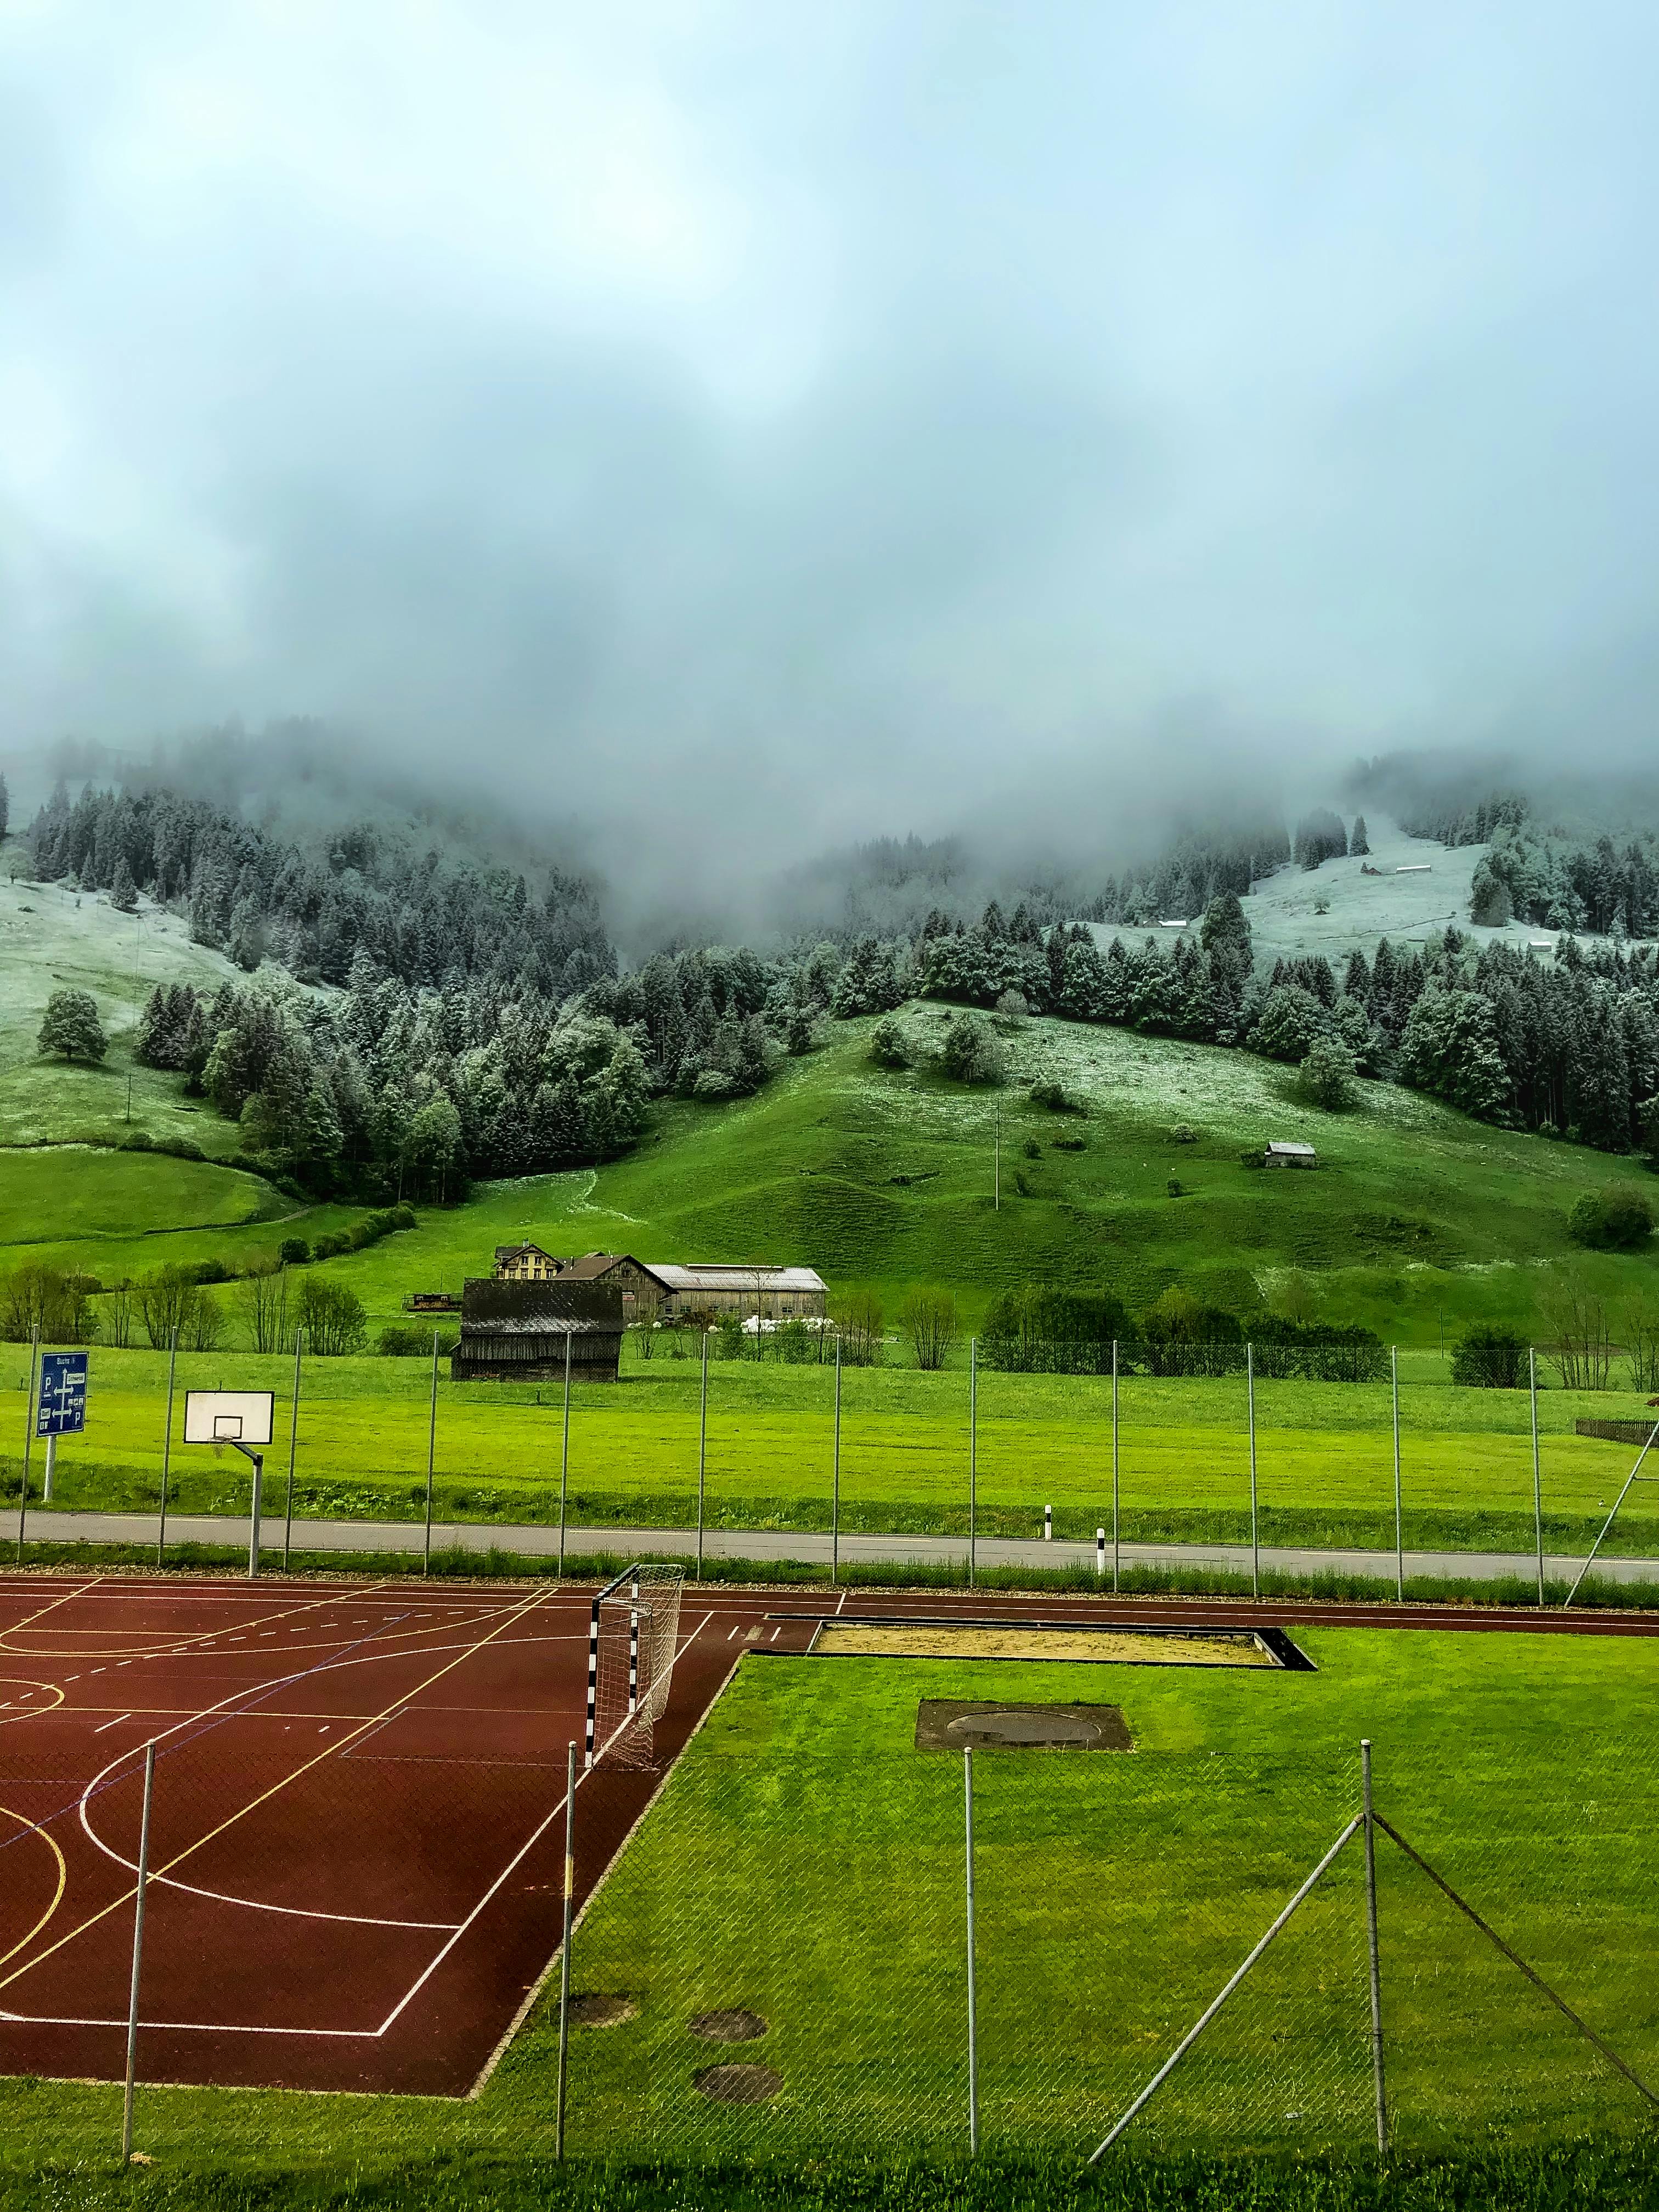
(523, 1332)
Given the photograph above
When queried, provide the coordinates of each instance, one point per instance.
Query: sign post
(61, 1408)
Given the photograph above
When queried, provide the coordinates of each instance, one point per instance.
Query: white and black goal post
(633, 1636)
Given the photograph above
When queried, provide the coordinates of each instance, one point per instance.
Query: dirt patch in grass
(735, 2026)
(593, 2008)
(737, 2085)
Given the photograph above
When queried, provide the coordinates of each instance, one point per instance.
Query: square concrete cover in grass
(952, 1723)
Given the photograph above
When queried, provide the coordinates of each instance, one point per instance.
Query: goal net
(632, 1639)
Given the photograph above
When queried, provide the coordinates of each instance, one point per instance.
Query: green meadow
(1324, 1452)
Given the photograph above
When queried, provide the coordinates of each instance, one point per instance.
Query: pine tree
(123, 892)
(1358, 843)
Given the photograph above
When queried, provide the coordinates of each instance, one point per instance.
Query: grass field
(1324, 1452)
(805, 1862)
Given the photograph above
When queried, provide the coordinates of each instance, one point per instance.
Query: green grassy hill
(1417, 1217)
(52, 938)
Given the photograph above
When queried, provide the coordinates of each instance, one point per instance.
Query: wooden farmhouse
(524, 1331)
(771, 1294)
(1291, 1156)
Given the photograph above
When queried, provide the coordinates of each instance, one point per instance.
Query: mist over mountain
(722, 438)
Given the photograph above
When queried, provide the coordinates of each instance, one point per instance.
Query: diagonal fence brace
(1515, 1960)
(1608, 1522)
(1216, 2003)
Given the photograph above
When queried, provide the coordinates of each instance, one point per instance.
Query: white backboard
(228, 1416)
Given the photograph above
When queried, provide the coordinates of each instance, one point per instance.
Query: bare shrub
(860, 1321)
(262, 1294)
(1581, 1350)
(928, 1319)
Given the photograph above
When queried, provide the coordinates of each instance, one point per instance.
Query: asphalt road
(538, 1541)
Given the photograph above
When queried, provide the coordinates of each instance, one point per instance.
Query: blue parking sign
(62, 1411)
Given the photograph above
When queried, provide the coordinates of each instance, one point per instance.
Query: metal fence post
(431, 1451)
(1115, 1526)
(564, 1453)
(564, 1947)
(292, 1450)
(972, 1459)
(1537, 1476)
(973, 2023)
(835, 1490)
(28, 1439)
(702, 1442)
(167, 1446)
(1399, 1519)
(1376, 1967)
(1255, 1531)
(137, 1951)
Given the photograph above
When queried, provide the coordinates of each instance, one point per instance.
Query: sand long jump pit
(1104, 1643)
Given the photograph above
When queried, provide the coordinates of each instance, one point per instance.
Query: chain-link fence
(781, 1964)
(1300, 1455)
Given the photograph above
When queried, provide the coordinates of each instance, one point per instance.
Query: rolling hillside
(886, 1177)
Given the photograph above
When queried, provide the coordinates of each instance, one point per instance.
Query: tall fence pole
(167, 1446)
(1255, 1526)
(28, 1439)
(564, 1453)
(137, 1951)
(1537, 1473)
(834, 1490)
(293, 1453)
(972, 1459)
(432, 1454)
(1115, 1527)
(973, 2020)
(564, 1946)
(1398, 1518)
(1376, 1964)
(702, 1441)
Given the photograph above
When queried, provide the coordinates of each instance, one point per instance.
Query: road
(539, 1541)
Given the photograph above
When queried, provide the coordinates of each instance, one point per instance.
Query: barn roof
(559, 1308)
(1295, 1151)
(721, 1276)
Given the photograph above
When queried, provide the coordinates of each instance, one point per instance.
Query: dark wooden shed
(518, 1332)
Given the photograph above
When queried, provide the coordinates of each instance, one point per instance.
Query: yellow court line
(34, 1712)
(275, 1789)
(40, 1614)
(35, 1828)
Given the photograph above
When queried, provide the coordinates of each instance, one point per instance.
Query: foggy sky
(784, 424)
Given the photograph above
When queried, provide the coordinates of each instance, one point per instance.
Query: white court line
(186, 2026)
(116, 1723)
(254, 1904)
(841, 1607)
(224, 2028)
(517, 1860)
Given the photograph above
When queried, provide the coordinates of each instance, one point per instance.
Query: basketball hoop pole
(258, 1459)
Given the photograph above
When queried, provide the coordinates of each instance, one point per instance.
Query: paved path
(538, 1539)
